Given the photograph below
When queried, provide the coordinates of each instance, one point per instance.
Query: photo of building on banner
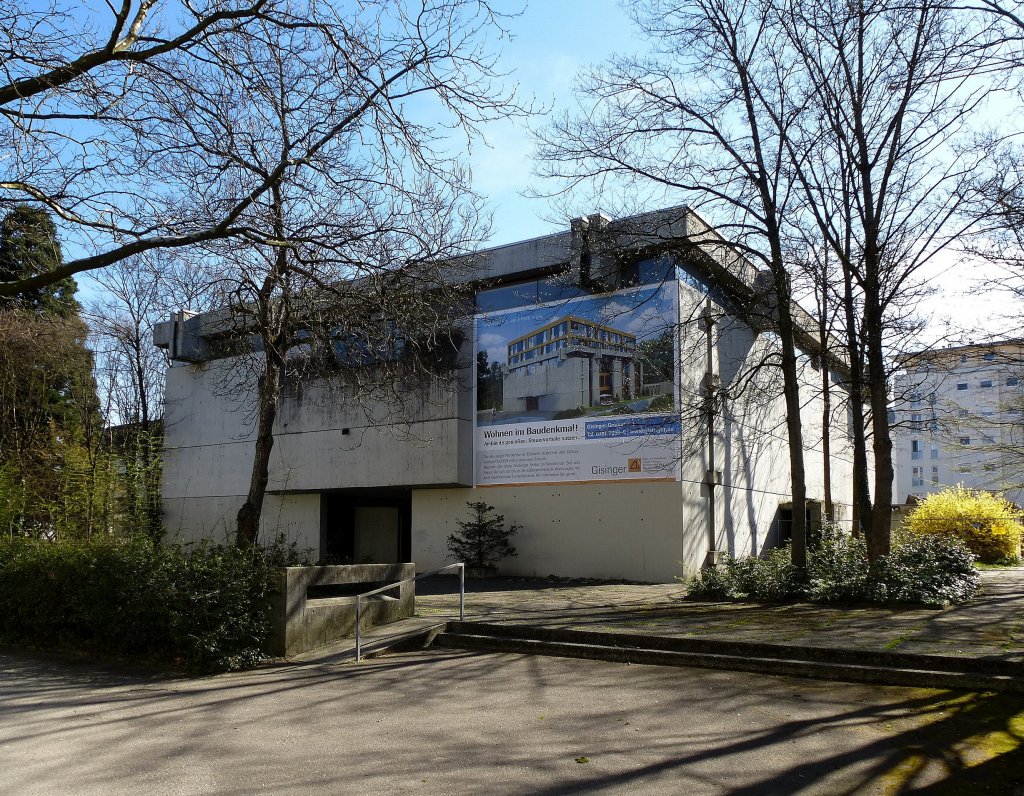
(579, 390)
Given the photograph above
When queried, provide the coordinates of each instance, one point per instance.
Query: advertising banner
(579, 390)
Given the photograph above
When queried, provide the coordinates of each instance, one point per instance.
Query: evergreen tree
(483, 539)
(29, 246)
(50, 423)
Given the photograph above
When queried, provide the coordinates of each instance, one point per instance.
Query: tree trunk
(794, 426)
(861, 490)
(269, 392)
(879, 536)
(826, 410)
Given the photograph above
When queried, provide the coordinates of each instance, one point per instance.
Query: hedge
(930, 570)
(203, 609)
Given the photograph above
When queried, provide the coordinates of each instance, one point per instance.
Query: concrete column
(582, 367)
(595, 381)
(617, 378)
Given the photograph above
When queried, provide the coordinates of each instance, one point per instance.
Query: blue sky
(552, 40)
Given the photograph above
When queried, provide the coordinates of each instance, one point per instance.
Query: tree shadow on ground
(785, 736)
(961, 743)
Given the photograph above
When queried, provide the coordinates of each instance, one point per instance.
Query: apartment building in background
(958, 418)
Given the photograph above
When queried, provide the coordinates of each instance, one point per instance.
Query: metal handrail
(462, 599)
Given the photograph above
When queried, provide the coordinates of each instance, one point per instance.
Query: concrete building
(957, 419)
(570, 362)
(659, 444)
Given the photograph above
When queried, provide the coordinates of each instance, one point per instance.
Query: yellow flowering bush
(986, 523)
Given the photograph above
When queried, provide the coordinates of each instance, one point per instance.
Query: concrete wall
(323, 440)
(640, 531)
(751, 440)
(617, 530)
(300, 622)
(652, 531)
(560, 384)
(195, 517)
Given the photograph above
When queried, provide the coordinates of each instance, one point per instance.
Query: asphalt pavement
(440, 722)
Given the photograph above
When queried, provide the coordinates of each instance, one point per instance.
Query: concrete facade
(957, 411)
(337, 464)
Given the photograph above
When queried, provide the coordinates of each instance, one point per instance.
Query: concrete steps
(855, 665)
(403, 636)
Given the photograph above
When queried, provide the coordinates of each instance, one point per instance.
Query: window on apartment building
(935, 476)
(986, 383)
(962, 412)
(961, 385)
(915, 399)
(965, 440)
(989, 356)
(935, 451)
(916, 421)
(917, 476)
(916, 448)
(963, 359)
(988, 439)
(1012, 381)
(963, 468)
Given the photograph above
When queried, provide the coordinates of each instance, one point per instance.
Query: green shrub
(837, 568)
(986, 523)
(203, 609)
(771, 577)
(932, 570)
(712, 583)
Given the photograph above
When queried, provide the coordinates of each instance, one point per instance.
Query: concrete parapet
(314, 606)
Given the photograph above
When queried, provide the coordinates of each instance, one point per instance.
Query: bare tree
(108, 121)
(888, 87)
(348, 274)
(705, 118)
(137, 293)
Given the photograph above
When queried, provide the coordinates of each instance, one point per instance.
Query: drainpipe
(711, 383)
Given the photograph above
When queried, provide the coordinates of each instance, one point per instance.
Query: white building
(958, 419)
(622, 479)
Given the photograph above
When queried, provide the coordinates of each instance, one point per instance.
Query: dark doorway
(532, 403)
(366, 527)
(813, 523)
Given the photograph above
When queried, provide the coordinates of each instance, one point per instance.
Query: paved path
(460, 723)
(992, 625)
(444, 722)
